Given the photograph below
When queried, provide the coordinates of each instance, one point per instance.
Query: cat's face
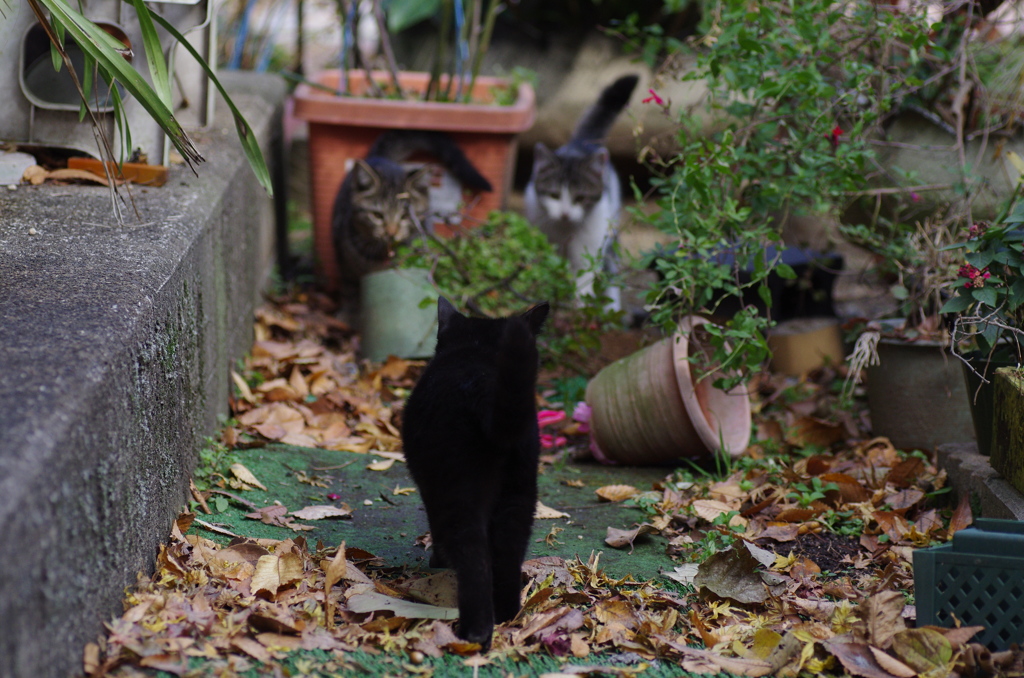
(388, 201)
(568, 182)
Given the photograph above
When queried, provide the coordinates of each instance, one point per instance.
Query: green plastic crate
(977, 579)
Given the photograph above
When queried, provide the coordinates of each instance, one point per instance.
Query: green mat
(390, 522)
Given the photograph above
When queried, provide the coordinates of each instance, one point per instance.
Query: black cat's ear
(536, 316)
(445, 313)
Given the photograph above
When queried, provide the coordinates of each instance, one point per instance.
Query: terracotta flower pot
(651, 408)
(342, 129)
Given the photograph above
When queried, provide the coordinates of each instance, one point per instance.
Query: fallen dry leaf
(371, 601)
(381, 465)
(322, 511)
(616, 492)
(246, 476)
(734, 574)
(620, 539)
(547, 513)
(924, 650)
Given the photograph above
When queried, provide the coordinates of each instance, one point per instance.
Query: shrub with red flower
(990, 288)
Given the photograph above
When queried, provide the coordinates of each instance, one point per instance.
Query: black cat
(471, 443)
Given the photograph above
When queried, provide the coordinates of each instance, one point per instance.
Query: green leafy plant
(842, 523)
(104, 57)
(796, 92)
(215, 459)
(990, 288)
(720, 537)
(806, 494)
(504, 266)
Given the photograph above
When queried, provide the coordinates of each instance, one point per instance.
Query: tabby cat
(471, 443)
(381, 203)
(574, 195)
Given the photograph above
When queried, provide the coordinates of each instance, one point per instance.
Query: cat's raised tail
(596, 122)
(398, 145)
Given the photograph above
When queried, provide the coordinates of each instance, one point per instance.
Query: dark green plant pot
(394, 320)
(979, 393)
(916, 395)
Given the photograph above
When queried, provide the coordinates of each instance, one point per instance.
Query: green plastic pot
(394, 318)
(980, 392)
(916, 395)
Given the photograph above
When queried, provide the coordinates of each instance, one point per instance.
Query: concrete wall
(115, 349)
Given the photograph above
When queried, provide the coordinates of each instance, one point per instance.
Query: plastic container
(977, 579)
(394, 320)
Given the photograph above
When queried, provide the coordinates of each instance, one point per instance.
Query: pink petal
(548, 417)
(581, 413)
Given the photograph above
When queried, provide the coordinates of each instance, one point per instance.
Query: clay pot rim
(317, 106)
(735, 425)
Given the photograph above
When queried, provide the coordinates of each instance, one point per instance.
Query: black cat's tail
(599, 118)
(398, 145)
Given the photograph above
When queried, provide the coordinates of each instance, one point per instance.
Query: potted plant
(105, 64)
(989, 308)
(497, 268)
(796, 99)
(347, 109)
(915, 392)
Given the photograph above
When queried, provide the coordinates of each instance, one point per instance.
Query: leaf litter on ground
(794, 558)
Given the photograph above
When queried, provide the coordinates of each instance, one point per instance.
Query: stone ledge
(970, 473)
(116, 345)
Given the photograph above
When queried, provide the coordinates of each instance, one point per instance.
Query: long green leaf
(55, 56)
(95, 42)
(122, 122)
(90, 66)
(245, 134)
(154, 53)
(404, 13)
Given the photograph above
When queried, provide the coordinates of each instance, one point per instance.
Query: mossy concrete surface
(116, 344)
(387, 519)
(1008, 424)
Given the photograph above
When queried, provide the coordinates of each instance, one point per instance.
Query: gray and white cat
(380, 202)
(574, 196)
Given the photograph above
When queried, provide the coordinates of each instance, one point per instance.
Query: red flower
(833, 136)
(975, 277)
(654, 98)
